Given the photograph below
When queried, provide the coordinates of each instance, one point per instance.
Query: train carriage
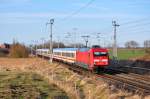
(67, 55)
(89, 58)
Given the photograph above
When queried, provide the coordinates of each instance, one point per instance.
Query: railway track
(138, 70)
(136, 77)
(131, 82)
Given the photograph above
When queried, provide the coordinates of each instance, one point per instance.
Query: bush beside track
(4, 52)
(18, 50)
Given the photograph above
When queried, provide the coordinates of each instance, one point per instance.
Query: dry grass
(75, 85)
(25, 85)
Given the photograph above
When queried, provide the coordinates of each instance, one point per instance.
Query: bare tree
(131, 44)
(58, 45)
(147, 46)
(55, 45)
(147, 43)
(78, 45)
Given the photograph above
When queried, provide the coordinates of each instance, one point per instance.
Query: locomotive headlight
(104, 60)
(96, 60)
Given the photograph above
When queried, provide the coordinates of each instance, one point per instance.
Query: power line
(135, 21)
(136, 27)
(138, 32)
(129, 25)
(77, 11)
(137, 24)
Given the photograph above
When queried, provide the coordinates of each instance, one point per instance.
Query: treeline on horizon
(18, 50)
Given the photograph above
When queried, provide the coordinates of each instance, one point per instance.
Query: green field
(125, 54)
(27, 86)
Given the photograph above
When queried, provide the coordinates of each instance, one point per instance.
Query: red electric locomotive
(95, 58)
(90, 58)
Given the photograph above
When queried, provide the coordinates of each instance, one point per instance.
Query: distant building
(5, 45)
(2, 46)
(147, 44)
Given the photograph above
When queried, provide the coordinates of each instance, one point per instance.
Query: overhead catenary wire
(135, 27)
(75, 12)
(79, 10)
(135, 21)
(137, 24)
(137, 32)
(125, 24)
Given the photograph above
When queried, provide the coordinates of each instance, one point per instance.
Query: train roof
(69, 49)
(60, 49)
(42, 49)
(83, 49)
(65, 49)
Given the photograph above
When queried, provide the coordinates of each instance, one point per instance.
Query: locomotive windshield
(100, 53)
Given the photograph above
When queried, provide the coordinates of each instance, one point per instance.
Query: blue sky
(25, 20)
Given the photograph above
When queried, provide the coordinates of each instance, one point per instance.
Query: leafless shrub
(18, 50)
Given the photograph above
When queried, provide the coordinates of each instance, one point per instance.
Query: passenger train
(94, 58)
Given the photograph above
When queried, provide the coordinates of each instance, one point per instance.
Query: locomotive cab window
(100, 54)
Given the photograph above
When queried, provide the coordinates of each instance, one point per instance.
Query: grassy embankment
(15, 85)
(76, 86)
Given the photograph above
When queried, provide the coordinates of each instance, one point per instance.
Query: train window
(68, 54)
(71, 54)
(100, 53)
(63, 54)
(57, 53)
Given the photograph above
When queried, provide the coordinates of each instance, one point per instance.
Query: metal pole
(98, 36)
(51, 41)
(75, 34)
(44, 44)
(86, 39)
(115, 43)
(86, 43)
(58, 42)
(104, 42)
(36, 50)
(31, 49)
(115, 40)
